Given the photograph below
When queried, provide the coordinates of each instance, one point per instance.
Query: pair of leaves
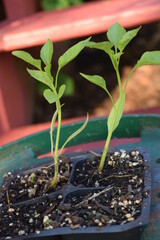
(46, 56)
(119, 37)
(45, 53)
(51, 97)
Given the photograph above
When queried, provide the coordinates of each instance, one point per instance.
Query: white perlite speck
(31, 220)
(45, 219)
(21, 232)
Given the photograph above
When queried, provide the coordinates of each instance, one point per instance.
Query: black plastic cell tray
(127, 231)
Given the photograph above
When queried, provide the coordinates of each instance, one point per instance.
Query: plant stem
(55, 178)
(104, 154)
(105, 150)
(56, 80)
(119, 81)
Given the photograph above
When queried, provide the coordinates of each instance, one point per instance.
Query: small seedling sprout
(118, 39)
(53, 92)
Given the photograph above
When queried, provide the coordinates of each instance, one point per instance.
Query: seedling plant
(118, 39)
(53, 92)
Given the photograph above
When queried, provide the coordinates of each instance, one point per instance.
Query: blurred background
(28, 24)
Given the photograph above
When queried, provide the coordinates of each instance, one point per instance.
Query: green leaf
(99, 81)
(71, 53)
(41, 76)
(27, 58)
(116, 113)
(126, 38)
(105, 46)
(73, 135)
(51, 97)
(47, 52)
(47, 69)
(96, 79)
(115, 33)
(149, 58)
(61, 90)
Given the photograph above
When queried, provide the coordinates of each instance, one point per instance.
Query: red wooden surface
(86, 19)
(25, 27)
(16, 97)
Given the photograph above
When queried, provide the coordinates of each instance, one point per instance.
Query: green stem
(119, 81)
(105, 150)
(56, 80)
(56, 167)
(104, 154)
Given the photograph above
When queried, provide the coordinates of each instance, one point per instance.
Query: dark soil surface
(121, 168)
(119, 202)
(34, 184)
(111, 198)
(28, 218)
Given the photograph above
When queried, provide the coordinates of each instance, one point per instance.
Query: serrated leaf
(41, 76)
(104, 46)
(96, 79)
(71, 53)
(73, 135)
(27, 58)
(47, 52)
(149, 58)
(51, 97)
(116, 113)
(115, 33)
(126, 38)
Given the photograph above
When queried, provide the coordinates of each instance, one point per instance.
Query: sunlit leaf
(126, 38)
(116, 113)
(47, 69)
(27, 58)
(47, 52)
(96, 79)
(149, 58)
(41, 76)
(115, 33)
(51, 97)
(71, 53)
(104, 46)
